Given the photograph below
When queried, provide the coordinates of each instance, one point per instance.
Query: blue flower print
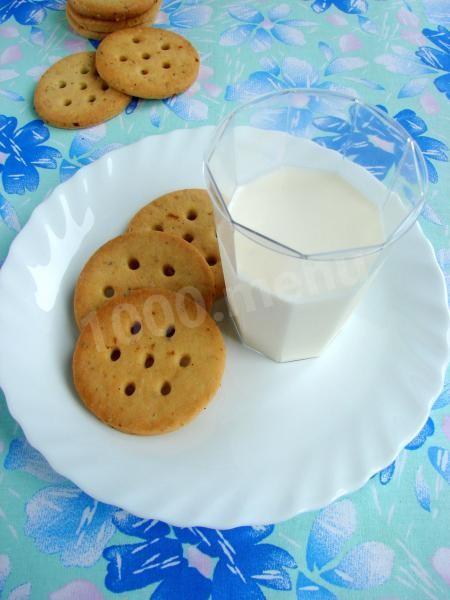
(351, 7)
(386, 474)
(64, 520)
(372, 148)
(184, 14)
(25, 154)
(244, 564)
(292, 73)
(363, 567)
(261, 31)
(28, 12)
(432, 149)
(157, 558)
(438, 58)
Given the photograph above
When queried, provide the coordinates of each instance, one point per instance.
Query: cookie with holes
(71, 95)
(141, 260)
(149, 362)
(187, 214)
(89, 25)
(147, 62)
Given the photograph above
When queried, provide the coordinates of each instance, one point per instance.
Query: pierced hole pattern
(185, 360)
(168, 271)
(108, 292)
(135, 328)
(170, 331)
(130, 389)
(115, 354)
(134, 264)
(166, 388)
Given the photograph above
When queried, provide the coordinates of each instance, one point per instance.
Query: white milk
(290, 308)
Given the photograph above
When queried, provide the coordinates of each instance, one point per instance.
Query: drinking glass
(287, 303)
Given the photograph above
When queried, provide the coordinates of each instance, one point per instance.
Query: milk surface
(309, 210)
(287, 307)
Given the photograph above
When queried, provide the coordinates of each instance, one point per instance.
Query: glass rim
(340, 254)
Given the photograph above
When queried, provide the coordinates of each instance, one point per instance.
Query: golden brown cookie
(71, 95)
(111, 10)
(149, 362)
(80, 30)
(147, 62)
(102, 26)
(187, 214)
(141, 260)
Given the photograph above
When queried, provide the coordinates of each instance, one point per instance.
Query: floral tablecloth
(391, 539)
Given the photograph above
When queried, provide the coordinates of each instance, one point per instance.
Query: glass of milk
(311, 189)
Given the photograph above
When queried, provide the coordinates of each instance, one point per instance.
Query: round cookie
(141, 260)
(111, 10)
(187, 214)
(147, 62)
(80, 30)
(71, 95)
(148, 362)
(102, 26)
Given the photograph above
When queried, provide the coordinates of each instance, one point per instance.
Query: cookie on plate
(101, 26)
(147, 62)
(141, 260)
(187, 214)
(148, 362)
(111, 10)
(71, 95)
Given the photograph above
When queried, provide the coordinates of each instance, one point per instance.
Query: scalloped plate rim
(231, 519)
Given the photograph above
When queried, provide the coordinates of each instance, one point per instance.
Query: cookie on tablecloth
(80, 30)
(100, 26)
(111, 10)
(141, 260)
(71, 95)
(147, 62)
(187, 214)
(149, 362)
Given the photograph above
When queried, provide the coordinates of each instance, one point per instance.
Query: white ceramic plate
(278, 438)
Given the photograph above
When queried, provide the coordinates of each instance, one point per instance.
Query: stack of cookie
(88, 88)
(149, 356)
(95, 19)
